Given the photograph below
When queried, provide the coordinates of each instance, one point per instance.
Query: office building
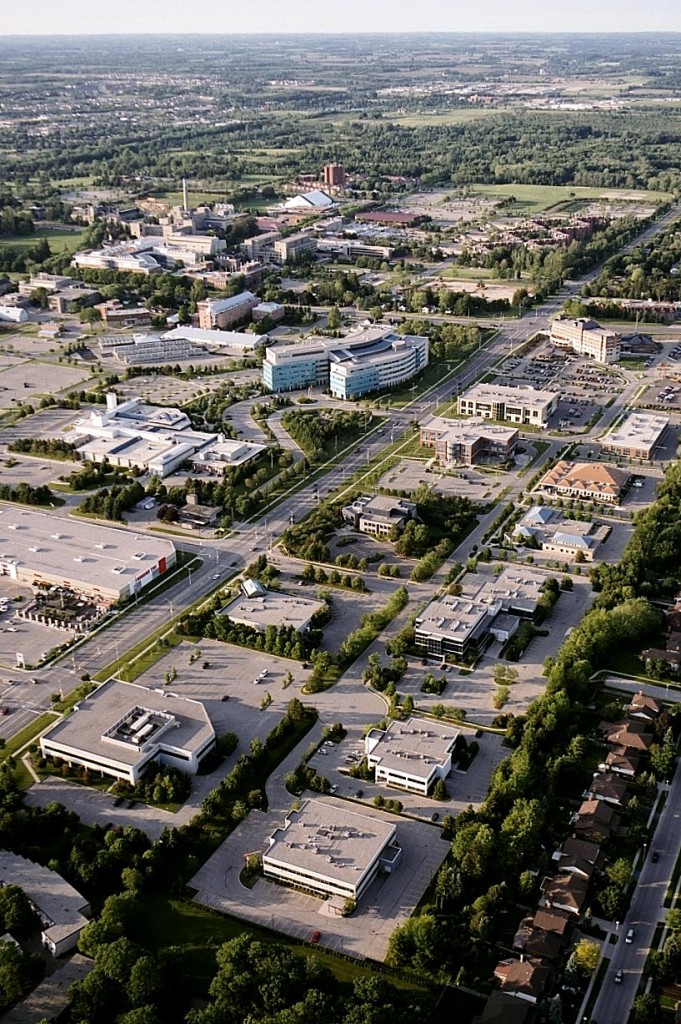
(523, 405)
(121, 728)
(273, 608)
(63, 912)
(587, 481)
(411, 755)
(101, 562)
(351, 248)
(587, 339)
(547, 529)
(379, 515)
(330, 850)
(222, 313)
(458, 624)
(370, 360)
(115, 314)
(638, 437)
(468, 442)
(291, 248)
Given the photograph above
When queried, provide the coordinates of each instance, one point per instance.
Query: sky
(65, 17)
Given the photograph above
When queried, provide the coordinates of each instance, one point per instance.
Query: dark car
(655, 857)
(315, 937)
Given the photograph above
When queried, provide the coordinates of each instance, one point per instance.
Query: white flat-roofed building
(99, 561)
(217, 339)
(587, 338)
(468, 442)
(379, 515)
(637, 437)
(150, 438)
(330, 850)
(63, 912)
(524, 405)
(453, 625)
(122, 727)
(412, 755)
(273, 608)
(221, 454)
(286, 250)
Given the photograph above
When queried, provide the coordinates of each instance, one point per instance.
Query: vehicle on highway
(619, 975)
(315, 937)
(629, 937)
(655, 857)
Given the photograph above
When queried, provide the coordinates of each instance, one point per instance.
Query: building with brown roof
(502, 1008)
(632, 735)
(623, 761)
(579, 857)
(588, 481)
(595, 820)
(564, 892)
(644, 707)
(544, 934)
(525, 978)
(612, 790)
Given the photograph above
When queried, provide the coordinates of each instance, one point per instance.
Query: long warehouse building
(99, 561)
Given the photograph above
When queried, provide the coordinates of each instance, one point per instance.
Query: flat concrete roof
(522, 395)
(273, 609)
(185, 725)
(639, 430)
(78, 552)
(414, 747)
(330, 841)
(468, 430)
(447, 615)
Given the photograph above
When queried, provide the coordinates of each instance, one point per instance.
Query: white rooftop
(639, 430)
(61, 906)
(77, 551)
(415, 747)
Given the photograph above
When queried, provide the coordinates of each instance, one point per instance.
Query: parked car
(315, 937)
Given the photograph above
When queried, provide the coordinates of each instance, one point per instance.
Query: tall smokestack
(185, 195)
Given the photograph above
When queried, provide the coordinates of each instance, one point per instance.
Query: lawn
(26, 735)
(534, 198)
(60, 240)
(162, 922)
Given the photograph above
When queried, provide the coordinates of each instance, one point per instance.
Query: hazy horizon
(355, 17)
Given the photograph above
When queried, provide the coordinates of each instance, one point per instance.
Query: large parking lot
(386, 903)
(31, 640)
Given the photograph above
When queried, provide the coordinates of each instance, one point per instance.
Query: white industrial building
(121, 728)
(13, 314)
(101, 562)
(63, 912)
(153, 439)
(330, 850)
(411, 755)
(273, 608)
(217, 339)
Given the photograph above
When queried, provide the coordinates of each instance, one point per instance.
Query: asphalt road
(614, 1001)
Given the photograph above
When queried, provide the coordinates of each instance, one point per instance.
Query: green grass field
(457, 116)
(534, 198)
(59, 240)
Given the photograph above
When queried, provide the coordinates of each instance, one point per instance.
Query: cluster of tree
(207, 412)
(162, 784)
(112, 502)
(96, 474)
(283, 640)
(371, 625)
(26, 494)
(20, 259)
(321, 432)
(308, 539)
(16, 912)
(318, 575)
(19, 973)
(51, 448)
(646, 272)
(269, 984)
(651, 563)
(443, 522)
(384, 677)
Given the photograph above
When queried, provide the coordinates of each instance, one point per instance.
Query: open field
(60, 240)
(534, 198)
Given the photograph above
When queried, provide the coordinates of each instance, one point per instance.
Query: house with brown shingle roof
(623, 761)
(596, 821)
(579, 857)
(525, 978)
(544, 934)
(605, 787)
(632, 735)
(644, 707)
(564, 892)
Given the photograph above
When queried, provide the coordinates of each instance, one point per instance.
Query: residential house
(622, 761)
(525, 978)
(566, 892)
(579, 857)
(604, 787)
(643, 707)
(595, 820)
